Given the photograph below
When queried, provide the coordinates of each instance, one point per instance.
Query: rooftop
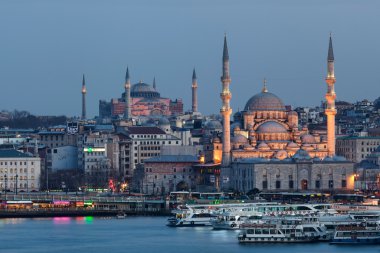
(11, 153)
(145, 130)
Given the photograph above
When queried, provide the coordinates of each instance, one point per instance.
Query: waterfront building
(356, 148)
(19, 172)
(166, 173)
(300, 172)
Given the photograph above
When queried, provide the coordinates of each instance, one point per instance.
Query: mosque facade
(140, 99)
(265, 147)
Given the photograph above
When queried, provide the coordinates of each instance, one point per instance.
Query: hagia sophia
(143, 100)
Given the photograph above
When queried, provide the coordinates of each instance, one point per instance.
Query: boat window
(250, 231)
(273, 231)
(265, 231)
(258, 232)
(303, 208)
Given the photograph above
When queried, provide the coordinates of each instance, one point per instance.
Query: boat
(233, 220)
(283, 231)
(121, 215)
(358, 234)
(191, 216)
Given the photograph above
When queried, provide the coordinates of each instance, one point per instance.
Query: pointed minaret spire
(330, 110)
(127, 79)
(194, 87)
(226, 112)
(127, 96)
(226, 60)
(154, 83)
(225, 49)
(84, 91)
(330, 60)
(330, 56)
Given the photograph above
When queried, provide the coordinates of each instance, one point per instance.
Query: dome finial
(265, 85)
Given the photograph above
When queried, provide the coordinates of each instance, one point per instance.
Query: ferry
(293, 209)
(283, 231)
(192, 216)
(233, 220)
(352, 219)
(359, 234)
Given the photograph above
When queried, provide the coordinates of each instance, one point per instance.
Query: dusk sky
(46, 45)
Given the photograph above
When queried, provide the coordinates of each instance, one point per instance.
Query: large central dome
(144, 90)
(264, 101)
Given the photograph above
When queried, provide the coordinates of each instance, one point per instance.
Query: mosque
(265, 148)
(140, 99)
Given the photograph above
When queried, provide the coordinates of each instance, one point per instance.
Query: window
(291, 184)
(265, 184)
(278, 184)
(331, 184)
(344, 183)
(317, 184)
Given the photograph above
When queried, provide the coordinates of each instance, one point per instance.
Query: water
(135, 234)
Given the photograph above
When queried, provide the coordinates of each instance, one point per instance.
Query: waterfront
(134, 234)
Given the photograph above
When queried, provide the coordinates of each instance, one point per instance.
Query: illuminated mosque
(265, 148)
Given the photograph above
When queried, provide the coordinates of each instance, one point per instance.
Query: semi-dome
(264, 101)
(302, 155)
(292, 145)
(239, 139)
(263, 146)
(271, 127)
(308, 139)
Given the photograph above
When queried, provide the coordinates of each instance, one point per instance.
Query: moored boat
(282, 231)
(359, 234)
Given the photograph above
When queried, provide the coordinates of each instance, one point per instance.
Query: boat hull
(356, 241)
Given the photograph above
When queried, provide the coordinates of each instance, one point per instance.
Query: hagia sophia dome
(143, 90)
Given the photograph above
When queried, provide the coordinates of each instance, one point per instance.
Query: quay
(36, 206)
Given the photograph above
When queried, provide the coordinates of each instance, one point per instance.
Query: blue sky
(46, 45)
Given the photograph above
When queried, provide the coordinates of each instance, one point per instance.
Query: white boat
(192, 216)
(283, 231)
(233, 220)
(233, 217)
(357, 234)
(352, 219)
(121, 215)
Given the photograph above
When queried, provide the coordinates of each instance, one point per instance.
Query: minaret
(194, 87)
(226, 110)
(127, 96)
(330, 110)
(154, 83)
(84, 91)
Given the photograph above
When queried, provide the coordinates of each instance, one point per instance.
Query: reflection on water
(140, 234)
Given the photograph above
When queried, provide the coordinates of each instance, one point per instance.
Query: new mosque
(264, 147)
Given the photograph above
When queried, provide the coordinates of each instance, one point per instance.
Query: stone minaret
(84, 91)
(194, 87)
(127, 96)
(330, 110)
(154, 83)
(226, 110)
